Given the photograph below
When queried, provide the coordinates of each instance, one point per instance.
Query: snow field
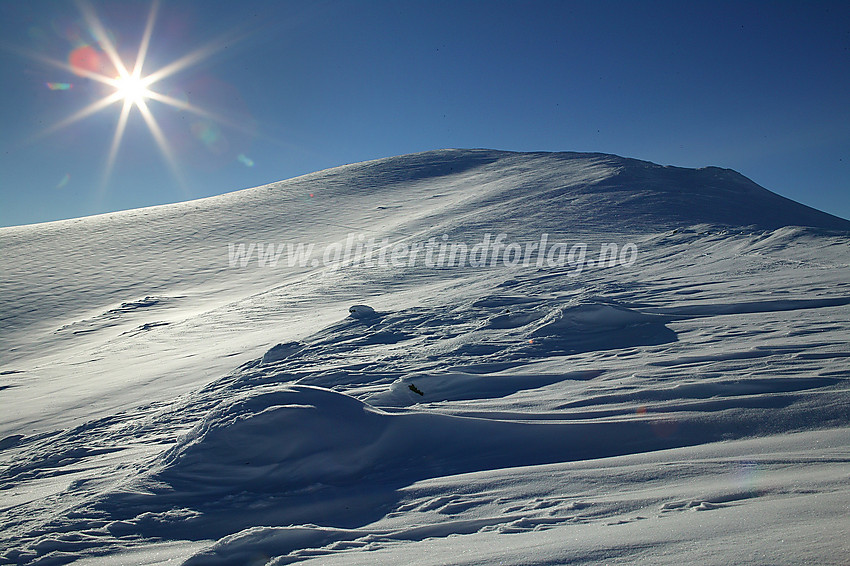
(161, 406)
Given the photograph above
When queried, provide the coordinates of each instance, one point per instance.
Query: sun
(128, 86)
(132, 89)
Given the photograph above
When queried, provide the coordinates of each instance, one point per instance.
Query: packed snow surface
(221, 382)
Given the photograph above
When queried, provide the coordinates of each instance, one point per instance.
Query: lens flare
(64, 181)
(85, 60)
(98, 60)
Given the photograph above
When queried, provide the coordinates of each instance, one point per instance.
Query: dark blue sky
(289, 88)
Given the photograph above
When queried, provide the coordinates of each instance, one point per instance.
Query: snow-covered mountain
(559, 358)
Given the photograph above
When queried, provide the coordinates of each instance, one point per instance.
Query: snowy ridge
(160, 404)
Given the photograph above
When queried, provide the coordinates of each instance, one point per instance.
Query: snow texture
(163, 405)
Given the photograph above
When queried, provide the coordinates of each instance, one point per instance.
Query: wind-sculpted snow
(295, 438)
(455, 386)
(162, 406)
(267, 448)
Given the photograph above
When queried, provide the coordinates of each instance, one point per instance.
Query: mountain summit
(596, 190)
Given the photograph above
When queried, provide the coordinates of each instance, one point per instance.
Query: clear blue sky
(286, 88)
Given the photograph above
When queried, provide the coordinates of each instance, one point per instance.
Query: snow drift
(162, 403)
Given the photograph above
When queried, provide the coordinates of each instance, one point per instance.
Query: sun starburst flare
(131, 88)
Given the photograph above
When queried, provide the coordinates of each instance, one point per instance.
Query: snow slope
(164, 398)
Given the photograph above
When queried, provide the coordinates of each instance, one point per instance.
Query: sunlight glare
(128, 87)
(132, 89)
